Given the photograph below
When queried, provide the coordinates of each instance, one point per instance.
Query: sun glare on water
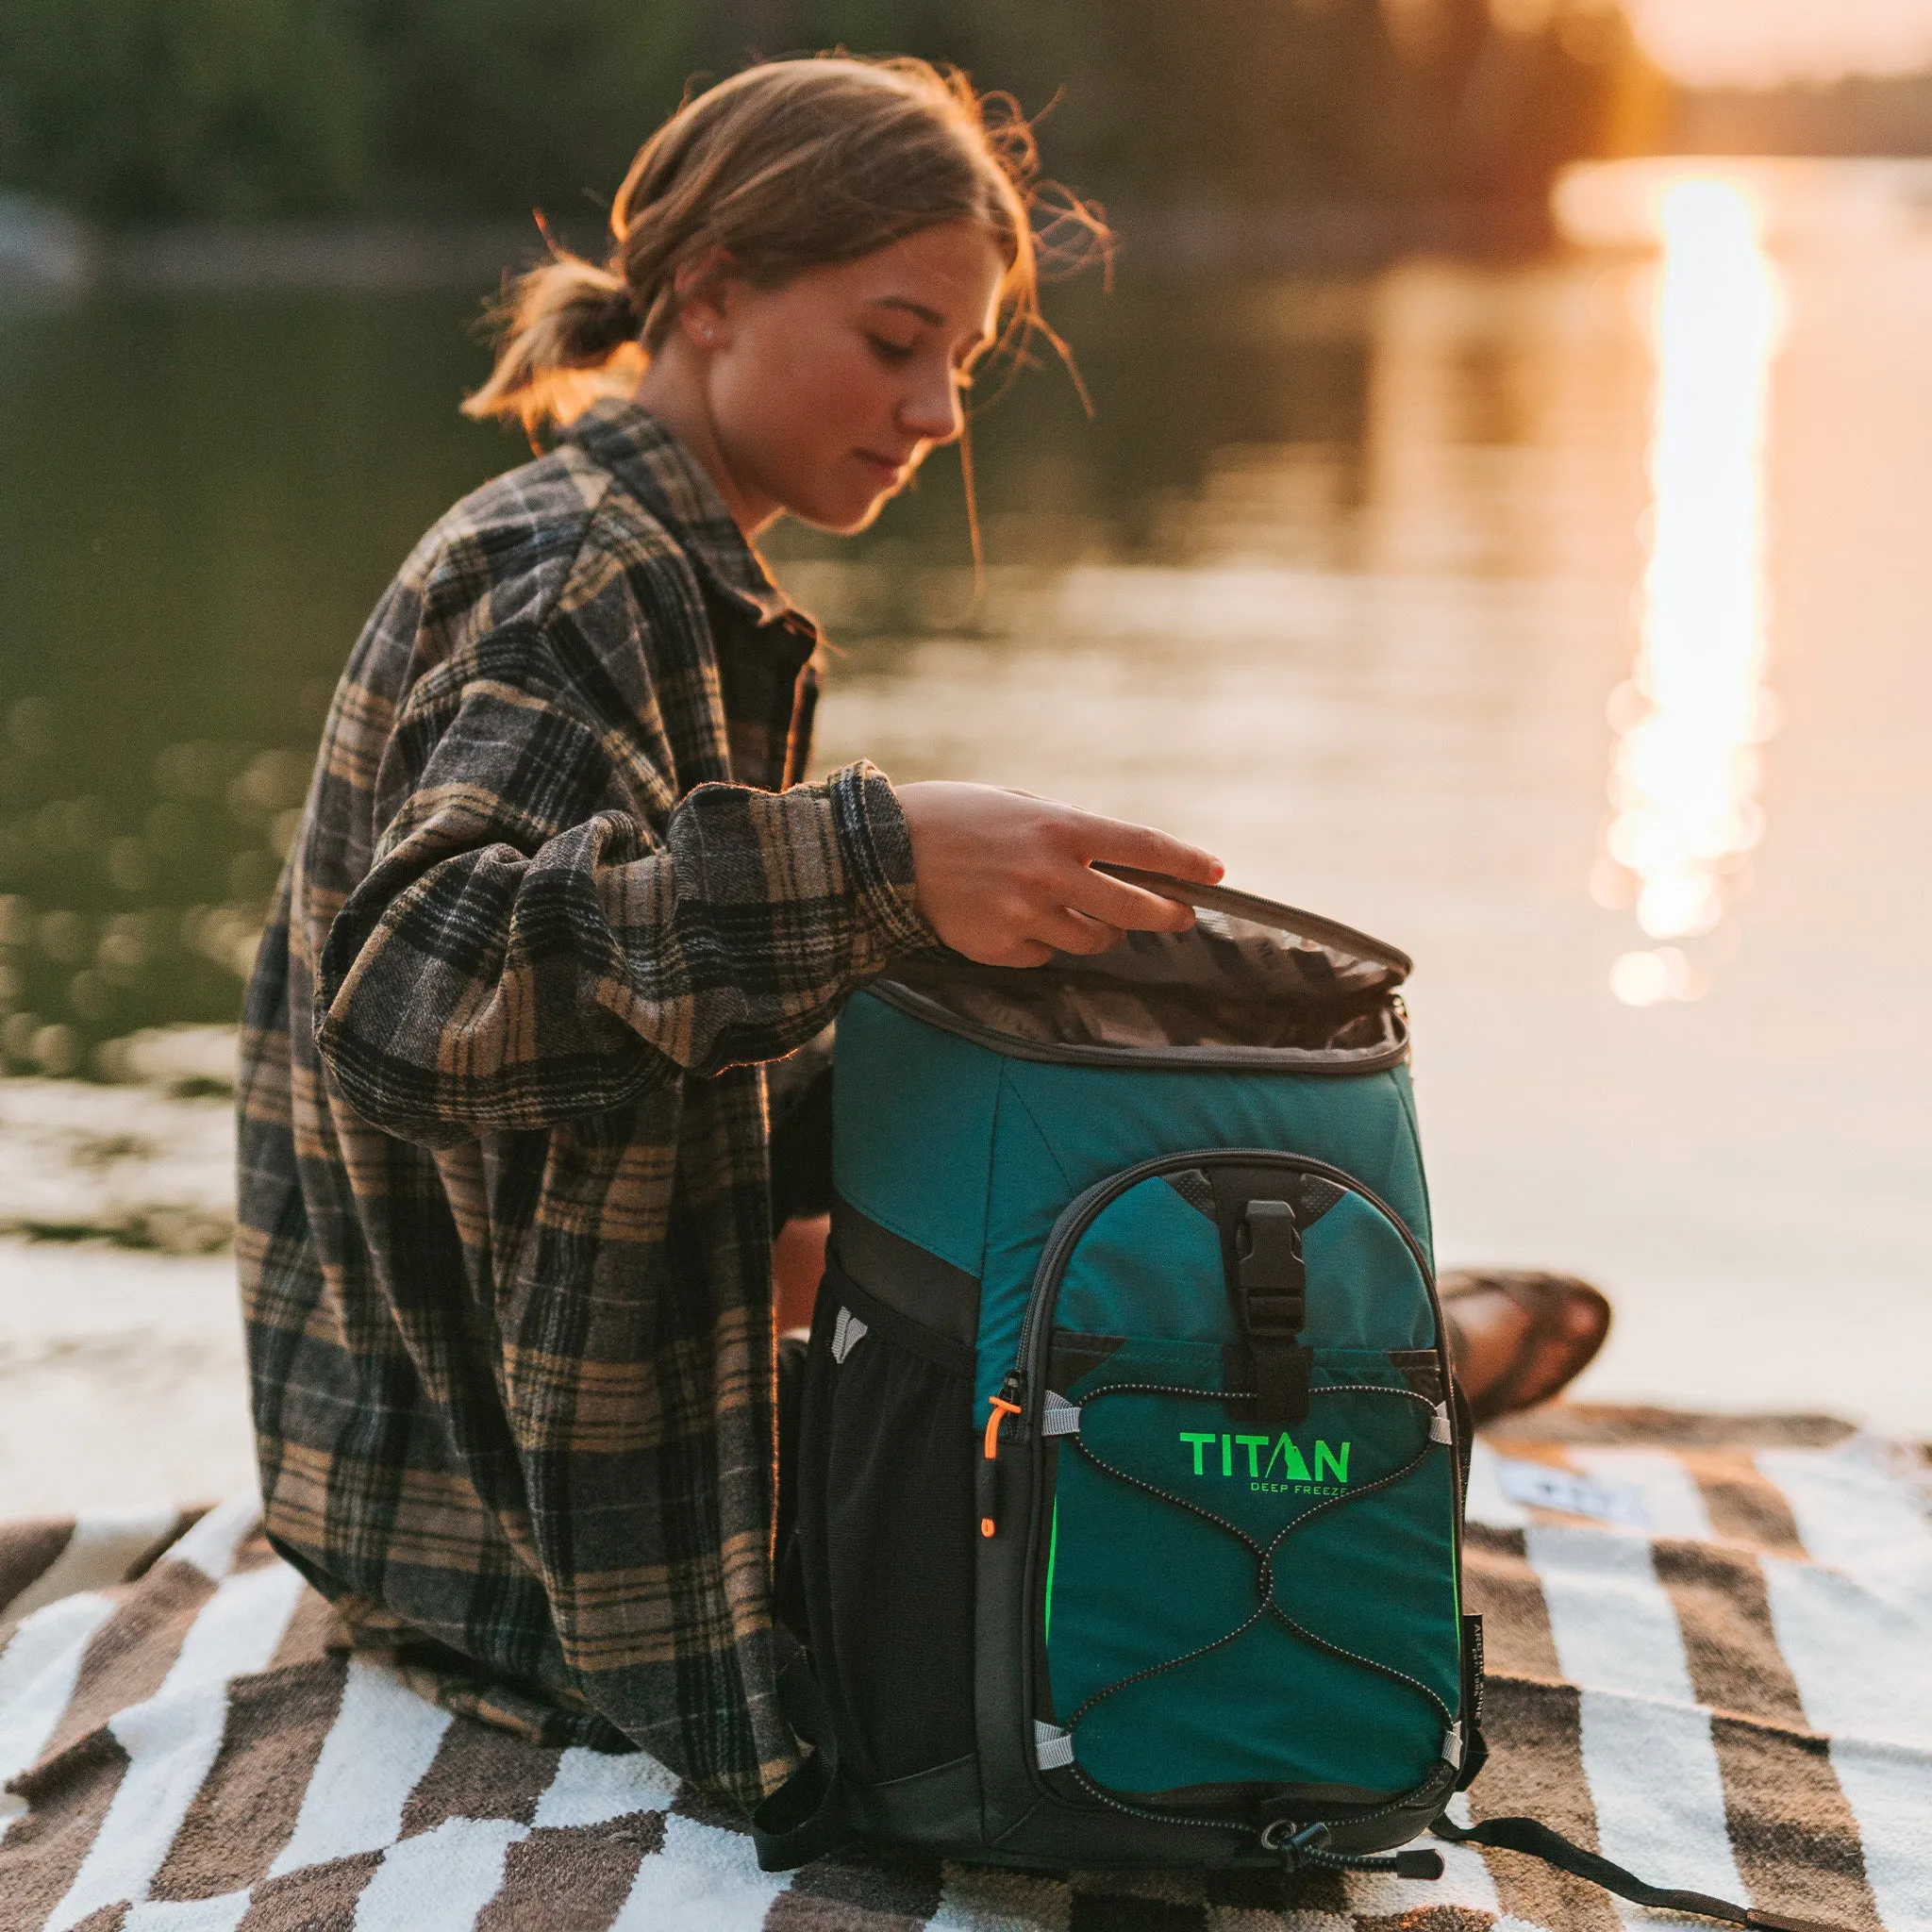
(1685, 814)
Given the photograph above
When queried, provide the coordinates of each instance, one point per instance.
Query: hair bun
(606, 320)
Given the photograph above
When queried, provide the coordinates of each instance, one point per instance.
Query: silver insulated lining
(1262, 984)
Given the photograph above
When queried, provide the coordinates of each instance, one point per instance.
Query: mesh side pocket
(885, 1527)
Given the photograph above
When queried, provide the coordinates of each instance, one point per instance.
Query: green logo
(1286, 1471)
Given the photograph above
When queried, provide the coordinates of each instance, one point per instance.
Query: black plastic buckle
(1269, 1269)
(1271, 1284)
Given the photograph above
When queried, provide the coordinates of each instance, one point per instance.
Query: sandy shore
(121, 1371)
(120, 1378)
(148, 1167)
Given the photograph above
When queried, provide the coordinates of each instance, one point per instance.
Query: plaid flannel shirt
(504, 1237)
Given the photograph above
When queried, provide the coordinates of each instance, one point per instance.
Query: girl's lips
(887, 466)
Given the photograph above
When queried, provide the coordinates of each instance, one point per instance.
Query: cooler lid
(1237, 949)
(1251, 983)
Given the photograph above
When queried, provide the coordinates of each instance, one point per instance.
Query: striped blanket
(1711, 1656)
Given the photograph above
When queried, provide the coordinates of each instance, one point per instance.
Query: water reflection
(1334, 576)
(202, 498)
(209, 491)
(1684, 778)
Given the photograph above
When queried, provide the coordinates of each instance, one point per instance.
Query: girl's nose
(932, 411)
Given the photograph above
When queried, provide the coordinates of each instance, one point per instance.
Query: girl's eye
(891, 352)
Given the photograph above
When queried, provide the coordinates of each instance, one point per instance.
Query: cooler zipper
(1022, 1383)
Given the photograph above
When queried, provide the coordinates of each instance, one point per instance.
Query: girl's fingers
(1141, 845)
(1129, 907)
(1072, 932)
(1024, 952)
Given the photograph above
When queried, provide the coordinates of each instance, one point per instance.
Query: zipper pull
(1012, 1400)
(1009, 1401)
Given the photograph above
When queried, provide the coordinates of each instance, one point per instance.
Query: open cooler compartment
(1253, 978)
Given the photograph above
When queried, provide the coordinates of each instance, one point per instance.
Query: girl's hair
(790, 165)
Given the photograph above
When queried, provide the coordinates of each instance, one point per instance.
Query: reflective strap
(1061, 1418)
(1051, 1747)
(1440, 1430)
(846, 1334)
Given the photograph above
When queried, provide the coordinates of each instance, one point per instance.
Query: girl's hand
(1004, 877)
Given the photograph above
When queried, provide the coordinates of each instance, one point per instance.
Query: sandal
(1554, 1346)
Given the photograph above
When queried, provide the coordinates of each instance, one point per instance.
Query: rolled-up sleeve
(526, 948)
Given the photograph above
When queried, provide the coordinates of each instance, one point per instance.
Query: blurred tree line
(136, 111)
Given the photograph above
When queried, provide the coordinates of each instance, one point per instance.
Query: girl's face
(822, 395)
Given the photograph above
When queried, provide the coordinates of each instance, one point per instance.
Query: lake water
(1565, 623)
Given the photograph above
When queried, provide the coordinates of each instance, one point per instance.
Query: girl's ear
(705, 288)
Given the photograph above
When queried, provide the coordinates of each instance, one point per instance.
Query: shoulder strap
(806, 1817)
(1539, 1841)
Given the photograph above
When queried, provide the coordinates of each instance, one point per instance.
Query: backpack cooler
(1129, 1510)
(1130, 1471)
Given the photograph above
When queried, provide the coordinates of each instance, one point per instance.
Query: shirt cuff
(877, 850)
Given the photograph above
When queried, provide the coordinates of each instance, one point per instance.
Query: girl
(560, 891)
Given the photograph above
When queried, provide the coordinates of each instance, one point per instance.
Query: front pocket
(885, 1490)
(1226, 1609)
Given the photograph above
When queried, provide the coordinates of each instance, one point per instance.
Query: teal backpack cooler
(1130, 1473)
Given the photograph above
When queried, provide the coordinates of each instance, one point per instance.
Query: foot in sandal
(1518, 1338)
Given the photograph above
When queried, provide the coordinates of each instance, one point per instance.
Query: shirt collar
(649, 462)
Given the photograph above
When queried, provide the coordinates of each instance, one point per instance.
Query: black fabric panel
(914, 1337)
(905, 1276)
(802, 1152)
(885, 1535)
(792, 1354)
(940, 1806)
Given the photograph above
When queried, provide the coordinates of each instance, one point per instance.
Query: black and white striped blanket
(1710, 1655)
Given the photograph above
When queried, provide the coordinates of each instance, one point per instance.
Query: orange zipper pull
(1003, 1405)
